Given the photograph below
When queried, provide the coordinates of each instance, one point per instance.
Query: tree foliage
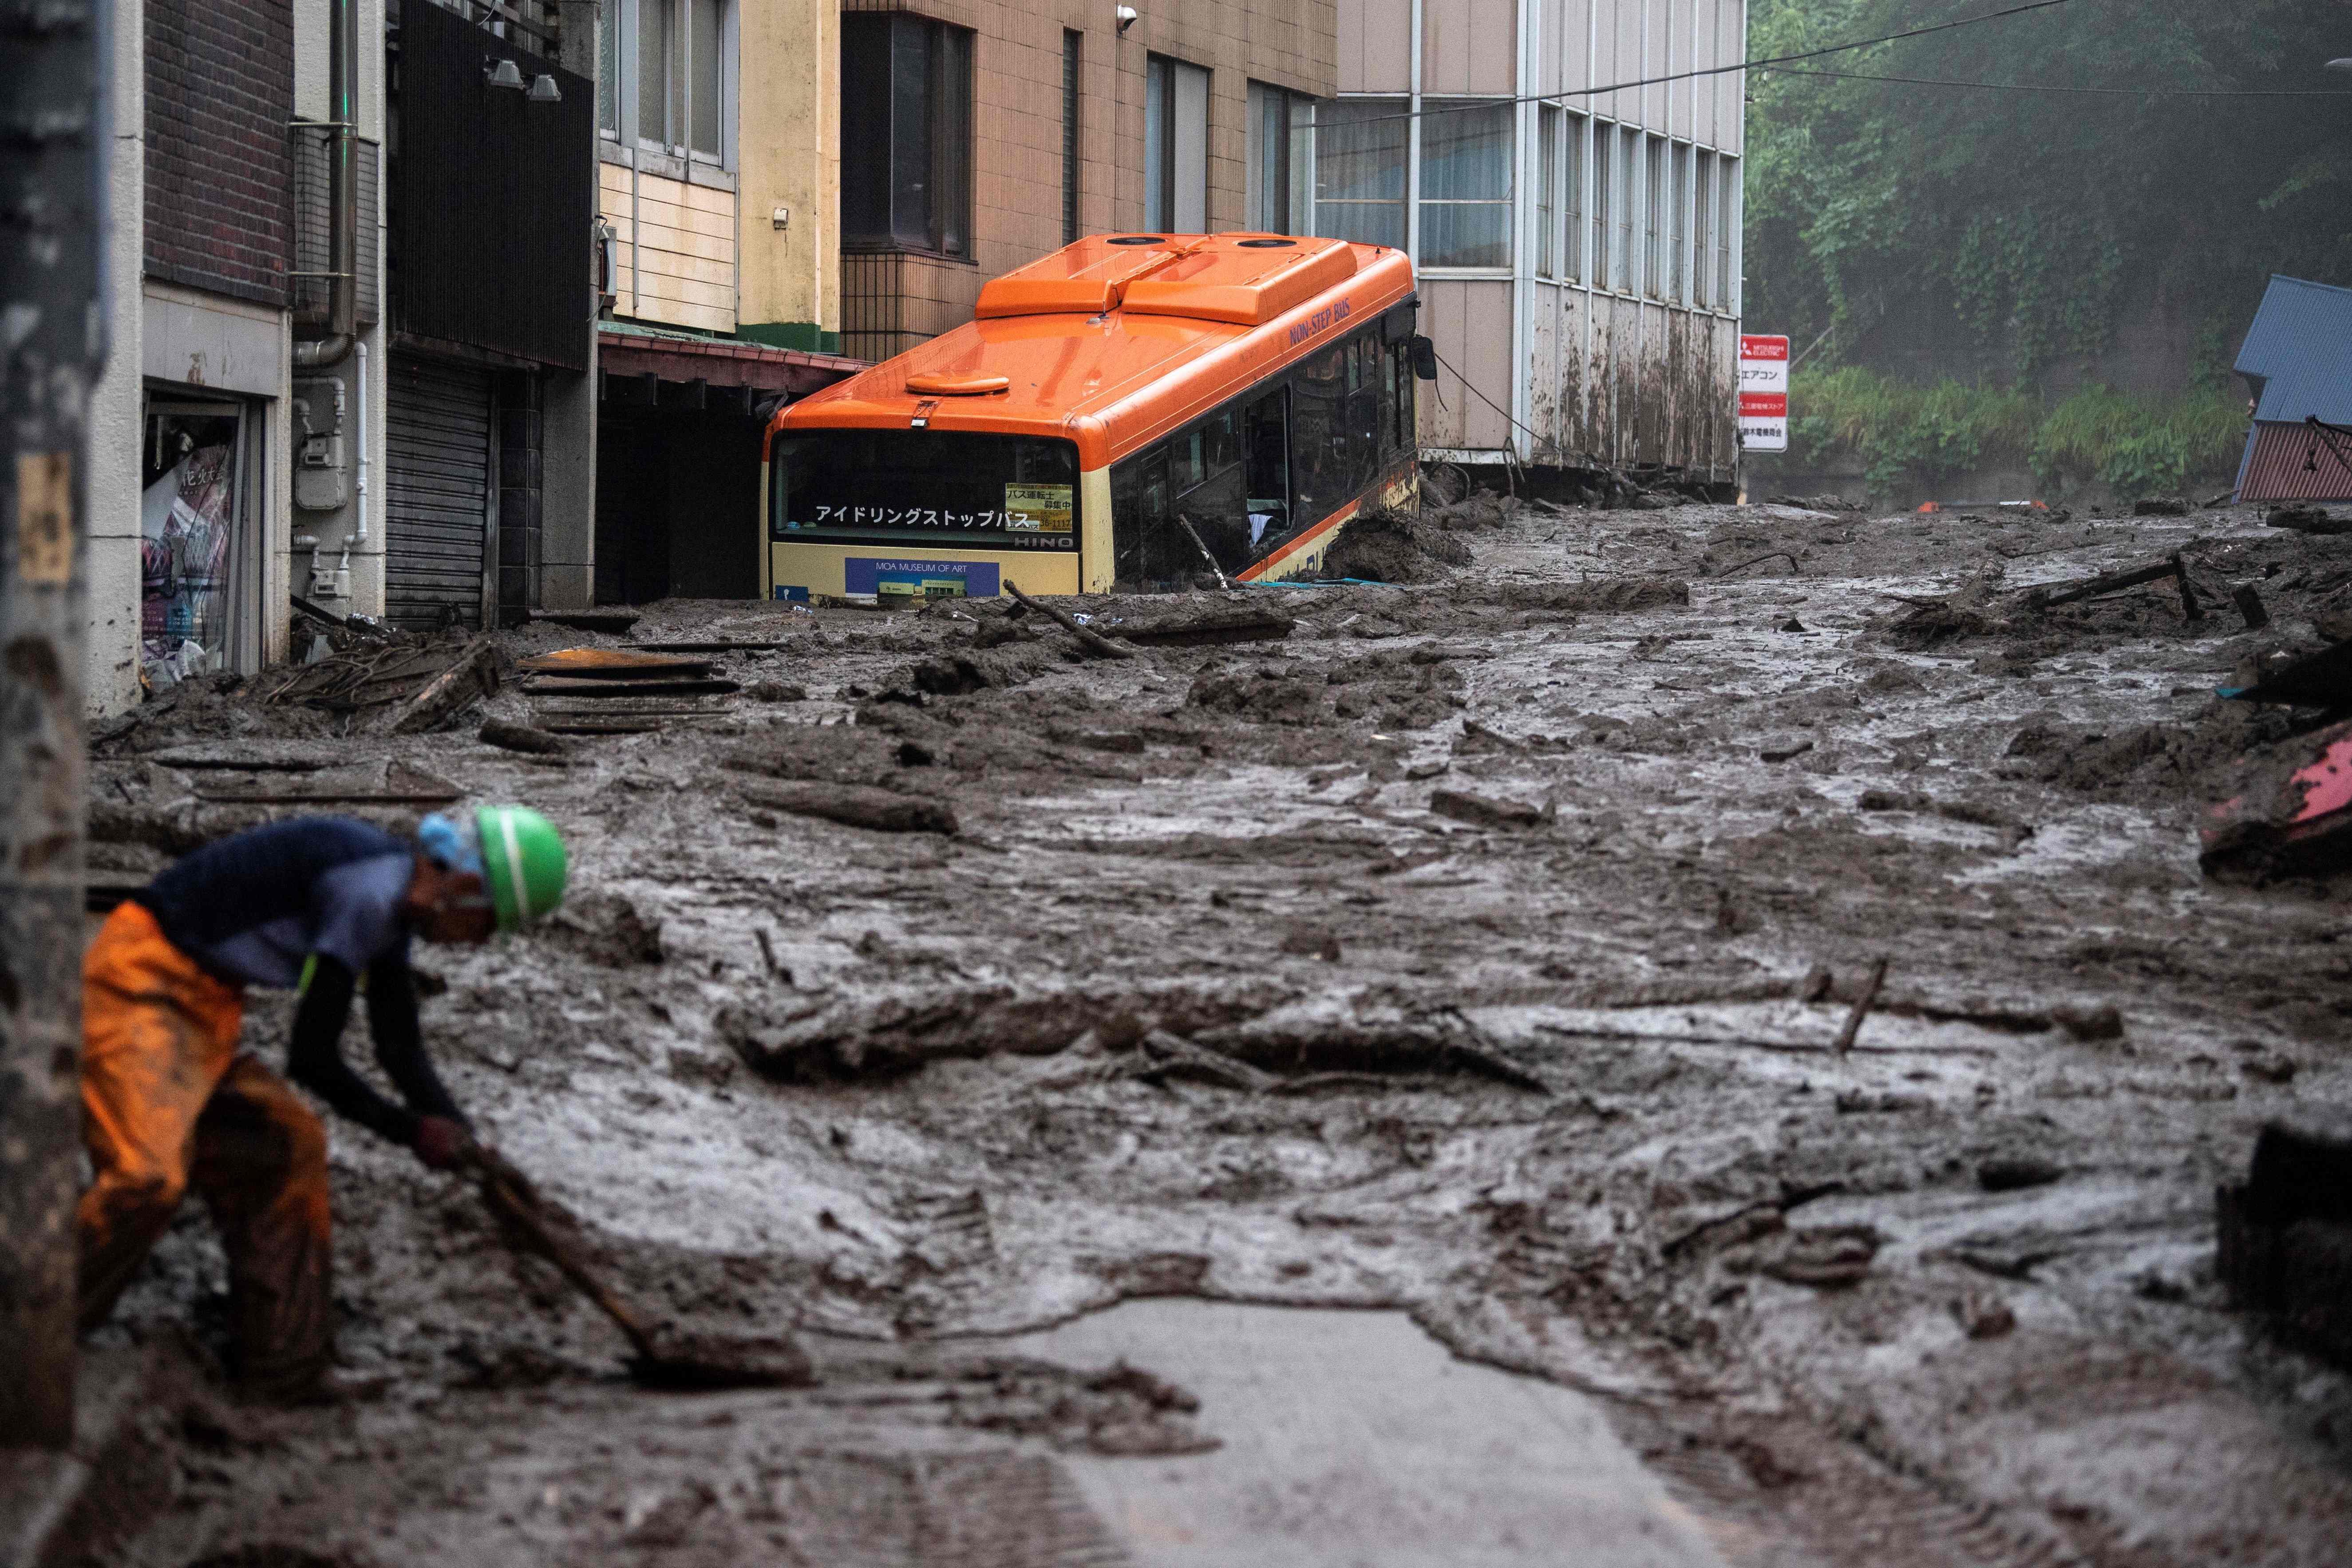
(2033, 218)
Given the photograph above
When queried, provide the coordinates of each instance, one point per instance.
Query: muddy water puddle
(1351, 1439)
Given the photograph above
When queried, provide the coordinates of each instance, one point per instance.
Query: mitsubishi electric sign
(1763, 393)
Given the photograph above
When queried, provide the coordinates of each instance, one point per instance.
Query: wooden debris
(1862, 1007)
(715, 647)
(337, 797)
(2171, 566)
(522, 738)
(1481, 811)
(1088, 638)
(569, 686)
(856, 806)
(611, 663)
(475, 673)
(1209, 626)
(197, 760)
(1165, 1054)
(2250, 604)
(367, 677)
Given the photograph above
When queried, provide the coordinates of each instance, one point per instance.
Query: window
(1465, 185)
(1360, 152)
(1175, 146)
(663, 76)
(1726, 281)
(1546, 198)
(1625, 265)
(1678, 225)
(1572, 199)
(1704, 226)
(906, 134)
(1236, 487)
(1653, 217)
(1073, 46)
(907, 488)
(1604, 191)
(1278, 122)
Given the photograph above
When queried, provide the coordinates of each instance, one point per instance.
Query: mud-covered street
(1477, 951)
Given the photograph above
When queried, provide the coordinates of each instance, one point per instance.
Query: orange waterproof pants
(167, 1103)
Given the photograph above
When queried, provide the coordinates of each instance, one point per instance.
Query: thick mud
(1473, 949)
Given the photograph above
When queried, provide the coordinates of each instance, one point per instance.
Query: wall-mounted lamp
(1126, 15)
(544, 91)
(501, 73)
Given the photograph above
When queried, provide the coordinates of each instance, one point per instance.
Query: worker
(325, 905)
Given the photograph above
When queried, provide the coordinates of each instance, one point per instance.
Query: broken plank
(335, 798)
(611, 664)
(567, 685)
(475, 673)
(855, 806)
(195, 761)
(714, 647)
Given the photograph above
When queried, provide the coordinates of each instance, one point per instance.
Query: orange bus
(1134, 412)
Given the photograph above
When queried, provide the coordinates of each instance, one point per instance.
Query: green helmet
(523, 862)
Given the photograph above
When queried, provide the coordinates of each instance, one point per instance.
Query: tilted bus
(1132, 413)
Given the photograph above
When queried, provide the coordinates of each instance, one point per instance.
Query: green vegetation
(1909, 437)
(2027, 223)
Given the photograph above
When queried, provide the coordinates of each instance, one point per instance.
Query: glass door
(198, 566)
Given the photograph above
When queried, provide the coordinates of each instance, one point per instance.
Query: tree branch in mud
(1862, 1007)
(1093, 641)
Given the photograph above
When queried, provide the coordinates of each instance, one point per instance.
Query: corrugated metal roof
(2293, 462)
(2299, 353)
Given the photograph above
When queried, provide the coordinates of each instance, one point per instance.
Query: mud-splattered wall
(1601, 327)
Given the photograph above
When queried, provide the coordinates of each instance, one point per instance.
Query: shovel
(665, 1358)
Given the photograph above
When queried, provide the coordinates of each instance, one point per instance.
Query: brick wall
(220, 89)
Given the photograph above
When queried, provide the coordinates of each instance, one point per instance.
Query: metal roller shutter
(437, 502)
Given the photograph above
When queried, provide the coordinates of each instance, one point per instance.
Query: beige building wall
(790, 167)
(892, 300)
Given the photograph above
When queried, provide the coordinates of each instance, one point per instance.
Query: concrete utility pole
(52, 344)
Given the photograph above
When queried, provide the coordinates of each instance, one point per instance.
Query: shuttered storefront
(436, 525)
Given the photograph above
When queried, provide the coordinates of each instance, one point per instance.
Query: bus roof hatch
(1245, 278)
(1084, 279)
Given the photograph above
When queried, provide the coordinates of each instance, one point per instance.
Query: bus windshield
(940, 488)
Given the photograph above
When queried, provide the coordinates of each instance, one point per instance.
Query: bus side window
(1385, 370)
(1408, 425)
(1266, 440)
(1211, 495)
(1363, 410)
(1320, 440)
(1142, 558)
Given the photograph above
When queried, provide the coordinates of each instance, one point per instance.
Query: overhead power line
(2102, 92)
(1474, 104)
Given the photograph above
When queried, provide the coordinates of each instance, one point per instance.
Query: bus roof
(1115, 340)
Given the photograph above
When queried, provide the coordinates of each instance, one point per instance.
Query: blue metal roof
(2298, 353)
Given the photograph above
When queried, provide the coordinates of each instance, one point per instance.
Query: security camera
(1126, 15)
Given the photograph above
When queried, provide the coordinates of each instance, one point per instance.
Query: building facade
(349, 297)
(977, 136)
(718, 190)
(1577, 238)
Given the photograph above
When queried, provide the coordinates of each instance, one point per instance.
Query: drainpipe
(342, 199)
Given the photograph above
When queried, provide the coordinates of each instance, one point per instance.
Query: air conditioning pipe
(342, 197)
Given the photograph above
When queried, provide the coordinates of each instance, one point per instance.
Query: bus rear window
(943, 488)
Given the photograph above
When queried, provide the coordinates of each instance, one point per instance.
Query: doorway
(199, 550)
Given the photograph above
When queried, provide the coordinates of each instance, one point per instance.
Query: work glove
(440, 1143)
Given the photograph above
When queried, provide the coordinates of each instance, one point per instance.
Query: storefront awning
(633, 363)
